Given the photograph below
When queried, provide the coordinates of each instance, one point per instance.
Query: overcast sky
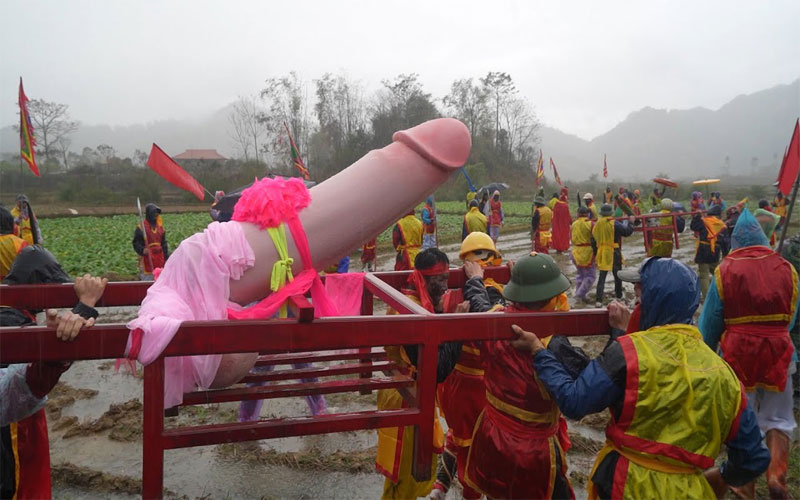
(584, 65)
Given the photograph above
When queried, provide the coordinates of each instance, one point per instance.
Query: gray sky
(584, 65)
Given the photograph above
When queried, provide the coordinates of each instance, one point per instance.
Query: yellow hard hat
(476, 242)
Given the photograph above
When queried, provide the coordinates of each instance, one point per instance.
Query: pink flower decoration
(268, 202)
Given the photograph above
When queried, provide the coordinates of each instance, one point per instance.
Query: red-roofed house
(199, 154)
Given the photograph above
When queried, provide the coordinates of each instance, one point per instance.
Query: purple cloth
(584, 281)
(250, 410)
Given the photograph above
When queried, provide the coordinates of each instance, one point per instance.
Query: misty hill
(750, 130)
(174, 136)
(691, 143)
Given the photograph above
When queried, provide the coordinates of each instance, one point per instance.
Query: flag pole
(789, 213)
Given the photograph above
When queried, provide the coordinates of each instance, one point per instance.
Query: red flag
(605, 166)
(173, 173)
(26, 139)
(555, 172)
(791, 163)
(539, 169)
(297, 158)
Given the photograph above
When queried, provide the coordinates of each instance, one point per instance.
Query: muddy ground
(95, 418)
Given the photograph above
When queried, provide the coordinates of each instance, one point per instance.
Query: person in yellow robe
(427, 286)
(608, 234)
(474, 221)
(10, 244)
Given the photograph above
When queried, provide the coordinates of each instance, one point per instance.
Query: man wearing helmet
(588, 199)
(608, 234)
(519, 441)
(583, 250)
(462, 396)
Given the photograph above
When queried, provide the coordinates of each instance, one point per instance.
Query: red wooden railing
(355, 340)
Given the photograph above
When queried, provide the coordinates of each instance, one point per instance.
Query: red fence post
(427, 358)
(366, 310)
(153, 430)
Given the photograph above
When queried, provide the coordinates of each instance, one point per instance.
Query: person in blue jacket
(642, 378)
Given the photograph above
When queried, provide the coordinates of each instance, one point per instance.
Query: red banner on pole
(26, 139)
(791, 163)
(167, 168)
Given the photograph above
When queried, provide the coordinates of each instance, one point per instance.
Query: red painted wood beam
(284, 427)
(290, 358)
(320, 371)
(123, 293)
(219, 337)
(292, 390)
(392, 297)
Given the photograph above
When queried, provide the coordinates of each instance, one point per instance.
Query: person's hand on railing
(526, 341)
(462, 308)
(67, 324)
(89, 289)
(618, 315)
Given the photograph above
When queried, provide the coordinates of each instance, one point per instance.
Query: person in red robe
(150, 242)
(520, 440)
(562, 221)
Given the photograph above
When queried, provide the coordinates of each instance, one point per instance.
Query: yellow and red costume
(10, 246)
(519, 442)
(661, 245)
(26, 469)
(407, 240)
(24, 228)
(669, 372)
(396, 444)
(542, 234)
(153, 236)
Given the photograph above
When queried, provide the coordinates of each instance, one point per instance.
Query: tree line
(334, 121)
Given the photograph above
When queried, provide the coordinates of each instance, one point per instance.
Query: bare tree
(51, 122)
(468, 102)
(106, 152)
(520, 125)
(140, 158)
(247, 130)
(500, 87)
(286, 100)
(62, 146)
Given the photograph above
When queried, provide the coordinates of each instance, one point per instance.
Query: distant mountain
(690, 143)
(684, 144)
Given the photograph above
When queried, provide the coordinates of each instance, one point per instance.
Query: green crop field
(103, 245)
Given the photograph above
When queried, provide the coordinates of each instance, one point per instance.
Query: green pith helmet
(606, 210)
(534, 278)
(539, 200)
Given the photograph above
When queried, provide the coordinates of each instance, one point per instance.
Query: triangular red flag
(173, 173)
(791, 163)
(27, 140)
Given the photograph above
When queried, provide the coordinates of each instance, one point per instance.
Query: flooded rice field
(95, 419)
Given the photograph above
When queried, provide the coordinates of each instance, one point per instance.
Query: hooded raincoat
(673, 401)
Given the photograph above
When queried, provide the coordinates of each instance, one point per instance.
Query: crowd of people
(676, 392)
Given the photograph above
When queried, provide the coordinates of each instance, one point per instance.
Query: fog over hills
(751, 131)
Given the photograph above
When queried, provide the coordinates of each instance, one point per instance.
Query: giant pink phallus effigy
(230, 265)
